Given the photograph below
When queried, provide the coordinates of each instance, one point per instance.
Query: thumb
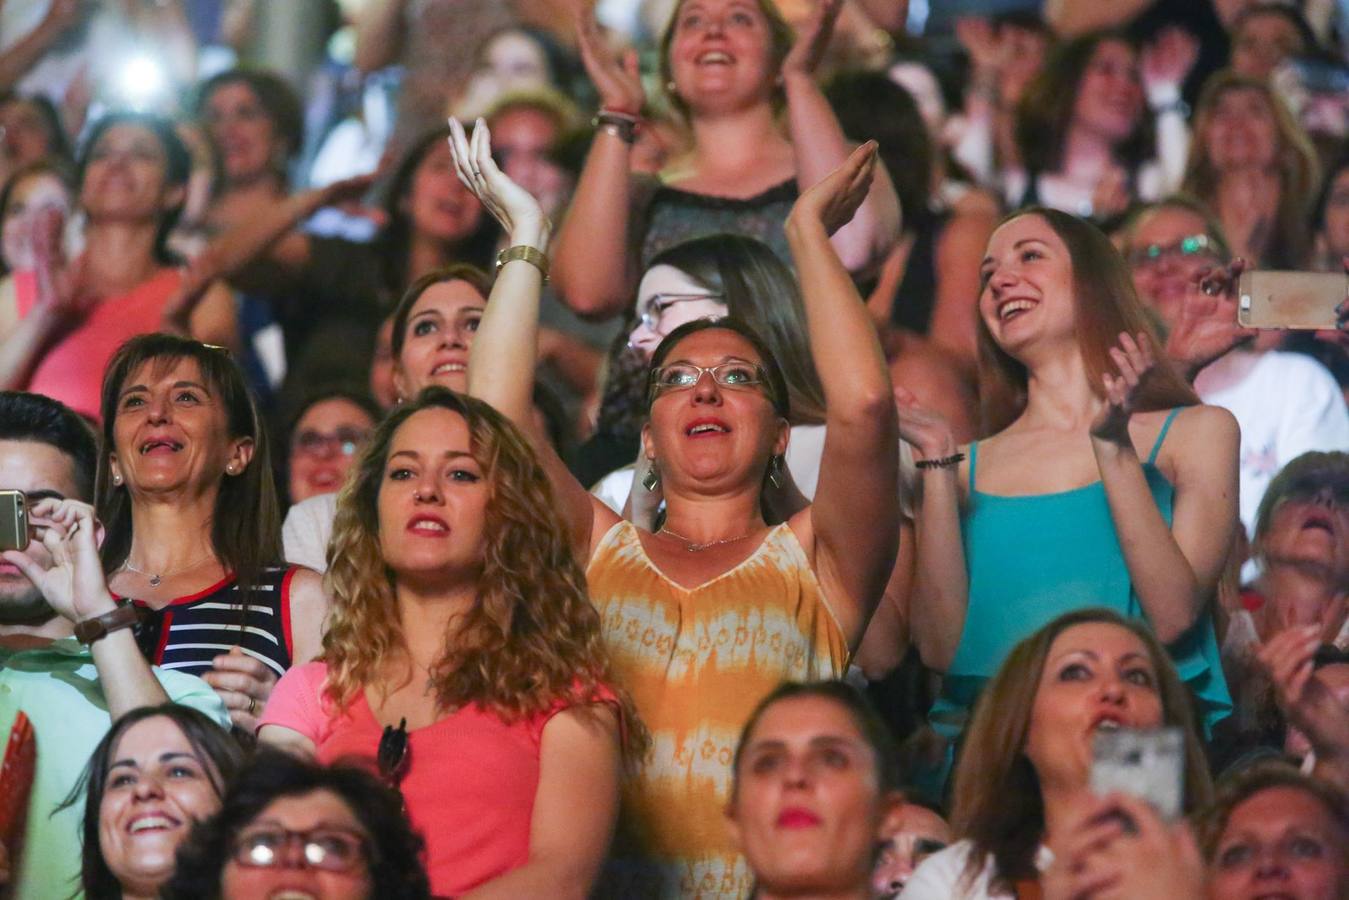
(31, 570)
(630, 63)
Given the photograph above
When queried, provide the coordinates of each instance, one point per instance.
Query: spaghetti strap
(1161, 436)
(974, 457)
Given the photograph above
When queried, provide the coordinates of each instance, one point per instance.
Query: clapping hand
(243, 684)
(514, 207)
(618, 80)
(928, 432)
(61, 296)
(834, 199)
(1135, 362)
(1167, 61)
(1307, 701)
(71, 577)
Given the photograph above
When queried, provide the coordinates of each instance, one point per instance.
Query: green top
(56, 686)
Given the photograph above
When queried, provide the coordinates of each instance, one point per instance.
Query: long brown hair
(532, 638)
(1104, 304)
(1299, 170)
(997, 804)
(246, 525)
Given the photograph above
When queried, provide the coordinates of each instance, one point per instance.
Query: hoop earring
(652, 477)
(116, 480)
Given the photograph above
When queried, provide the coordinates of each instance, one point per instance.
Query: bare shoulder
(1202, 424)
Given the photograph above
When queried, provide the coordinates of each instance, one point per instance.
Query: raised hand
(1134, 359)
(812, 39)
(1168, 59)
(1207, 327)
(834, 199)
(1307, 701)
(618, 80)
(976, 35)
(514, 207)
(71, 580)
(61, 296)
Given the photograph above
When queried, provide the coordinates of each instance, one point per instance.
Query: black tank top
(191, 631)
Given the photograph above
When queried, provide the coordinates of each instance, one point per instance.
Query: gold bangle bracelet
(531, 255)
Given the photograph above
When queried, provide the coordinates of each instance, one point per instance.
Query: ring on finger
(252, 705)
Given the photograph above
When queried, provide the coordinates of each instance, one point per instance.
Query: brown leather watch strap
(91, 630)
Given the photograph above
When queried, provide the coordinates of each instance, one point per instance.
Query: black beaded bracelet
(944, 463)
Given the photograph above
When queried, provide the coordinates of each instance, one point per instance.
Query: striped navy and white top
(189, 632)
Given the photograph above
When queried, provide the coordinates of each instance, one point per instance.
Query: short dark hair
(213, 745)
(42, 420)
(863, 714)
(396, 871)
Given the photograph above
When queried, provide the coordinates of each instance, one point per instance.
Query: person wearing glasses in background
(1285, 403)
(705, 616)
(295, 828)
(326, 434)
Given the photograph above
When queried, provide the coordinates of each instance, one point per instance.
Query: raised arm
(596, 226)
(1070, 18)
(505, 349)
(74, 586)
(820, 147)
(855, 516)
(20, 57)
(379, 34)
(1175, 568)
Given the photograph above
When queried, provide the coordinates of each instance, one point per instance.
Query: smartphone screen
(13, 520)
(1301, 300)
(1148, 764)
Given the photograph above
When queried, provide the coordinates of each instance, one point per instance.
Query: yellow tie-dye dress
(697, 661)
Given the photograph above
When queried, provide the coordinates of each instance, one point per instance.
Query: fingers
(31, 570)
(237, 663)
(632, 66)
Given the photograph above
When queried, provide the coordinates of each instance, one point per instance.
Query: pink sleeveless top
(72, 370)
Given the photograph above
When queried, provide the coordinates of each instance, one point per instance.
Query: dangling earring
(671, 88)
(775, 473)
(652, 477)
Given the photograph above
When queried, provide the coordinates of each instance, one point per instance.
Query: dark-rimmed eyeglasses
(1193, 246)
(330, 849)
(343, 441)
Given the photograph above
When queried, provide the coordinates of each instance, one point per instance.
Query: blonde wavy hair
(532, 638)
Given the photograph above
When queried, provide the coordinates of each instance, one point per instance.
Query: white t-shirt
(939, 876)
(1285, 403)
(307, 530)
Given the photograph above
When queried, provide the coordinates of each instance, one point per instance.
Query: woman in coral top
(464, 657)
(63, 321)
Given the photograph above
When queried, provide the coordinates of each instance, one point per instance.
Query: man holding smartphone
(69, 688)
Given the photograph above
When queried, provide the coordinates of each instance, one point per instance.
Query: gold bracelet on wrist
(531, 255)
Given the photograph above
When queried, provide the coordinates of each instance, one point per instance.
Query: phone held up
(13, 520)
(1149, 764)
(1291, 300)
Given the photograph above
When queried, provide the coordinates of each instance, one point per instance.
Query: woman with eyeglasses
(705, 616)
(1108, 484)
(288, 827)
(1285, 403)
(157, 772)
(326, 434)
(193, 531)
(463, 657)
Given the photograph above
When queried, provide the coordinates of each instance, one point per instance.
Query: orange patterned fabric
(697, 661)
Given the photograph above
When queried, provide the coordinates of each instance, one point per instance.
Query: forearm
(379, 34)
(125, 677)
(241, 248)
(576, 361)
(820, 147)
(890, 15)
(505, 349)
(1161, 575)
(558, 878)
(593, 270)
(1070, 18)
(941, 581)
(24, 54)
(23, 349)
(847, 353)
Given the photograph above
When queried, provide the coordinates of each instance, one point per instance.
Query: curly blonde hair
(532, 638)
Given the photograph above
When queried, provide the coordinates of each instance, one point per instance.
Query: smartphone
(13, 520)
(1294, 300)
(1145, 763)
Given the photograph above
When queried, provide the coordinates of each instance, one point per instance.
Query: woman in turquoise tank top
(1105, 483)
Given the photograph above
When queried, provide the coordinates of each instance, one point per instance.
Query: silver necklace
(694, 548)
(156, 577)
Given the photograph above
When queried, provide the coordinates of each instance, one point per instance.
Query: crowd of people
(681, 448)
